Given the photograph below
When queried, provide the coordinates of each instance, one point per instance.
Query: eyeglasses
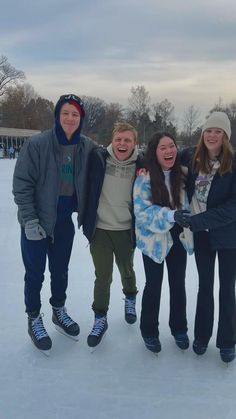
(72, 97)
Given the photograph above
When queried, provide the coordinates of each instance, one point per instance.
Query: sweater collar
(131, 159)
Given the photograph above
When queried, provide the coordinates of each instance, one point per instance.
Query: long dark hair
(160, 194)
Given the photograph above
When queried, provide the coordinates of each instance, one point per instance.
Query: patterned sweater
(152, 225)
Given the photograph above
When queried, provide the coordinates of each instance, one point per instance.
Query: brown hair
(124, 126)
(160, 194)
(201, 158)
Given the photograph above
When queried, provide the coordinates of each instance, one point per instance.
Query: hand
(141, 171)
(34, 231)
(183, 218)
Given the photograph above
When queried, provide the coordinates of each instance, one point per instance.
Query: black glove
(183, 218)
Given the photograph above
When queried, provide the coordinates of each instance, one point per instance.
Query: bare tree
(138, 111)
(21, 107)
(139, 102)
(113, 113)
(94, 114)
(13, 106)
(231, 110)
(191, 121)
(163, 114)
(8, 75)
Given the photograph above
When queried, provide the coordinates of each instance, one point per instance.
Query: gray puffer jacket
(36, 179)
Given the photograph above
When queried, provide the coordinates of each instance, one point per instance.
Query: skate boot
(227, 354)
(99, 328)
(182, 340)
(38, 333)
(64, 323)
(198, 347)
(153, 344)
(130, 312)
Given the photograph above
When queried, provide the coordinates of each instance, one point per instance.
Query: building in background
(13, 138)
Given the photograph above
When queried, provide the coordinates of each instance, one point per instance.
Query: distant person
(108, 223)
(12, 152)
(211, 189)
(17, 150)
(160, 205)
(49, 184)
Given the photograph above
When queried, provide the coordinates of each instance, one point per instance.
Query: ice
(119, 380)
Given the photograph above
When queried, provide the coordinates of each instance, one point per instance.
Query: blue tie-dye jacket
(152, 227)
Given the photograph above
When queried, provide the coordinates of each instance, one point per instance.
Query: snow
(121, 379)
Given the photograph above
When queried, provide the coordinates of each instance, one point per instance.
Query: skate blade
(75, 338)
(94, 348)
(46, 353)
(156, 354)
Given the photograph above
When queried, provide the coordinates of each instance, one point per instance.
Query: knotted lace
(130, 306)
(38, 328)
(99, 325)
(63, 317)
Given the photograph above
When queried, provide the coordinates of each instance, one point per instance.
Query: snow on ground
(121, 379)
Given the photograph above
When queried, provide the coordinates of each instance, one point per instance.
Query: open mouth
(121, 150)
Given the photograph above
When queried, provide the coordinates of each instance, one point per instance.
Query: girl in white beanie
(211, 187)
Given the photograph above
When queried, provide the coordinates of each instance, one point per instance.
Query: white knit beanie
(218, 120)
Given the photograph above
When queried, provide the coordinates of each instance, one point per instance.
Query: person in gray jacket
(49, 184)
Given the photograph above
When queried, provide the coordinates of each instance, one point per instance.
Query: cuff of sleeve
(170, 216)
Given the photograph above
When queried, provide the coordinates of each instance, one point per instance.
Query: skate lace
(130, 306)
(98, 326)
(38, 328)
(63, 317)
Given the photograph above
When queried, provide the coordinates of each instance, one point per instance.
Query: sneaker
(38, 333)
(199, 348)
(182, 340)
(61, 319)
(153, 344)
(227, 354)
(130, 312)
(99, 328)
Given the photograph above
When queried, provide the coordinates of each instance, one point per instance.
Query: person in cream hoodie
(109, 221)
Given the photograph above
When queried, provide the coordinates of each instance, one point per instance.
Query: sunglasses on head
(72, 97)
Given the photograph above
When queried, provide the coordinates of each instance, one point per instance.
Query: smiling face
(213, 140)
(69, 119)
(166, 153)
(123, 144)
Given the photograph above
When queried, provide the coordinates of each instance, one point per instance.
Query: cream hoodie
(114, 209)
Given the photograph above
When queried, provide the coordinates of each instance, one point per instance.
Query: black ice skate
(97, 333)
(39, 334)
(130, 312)
(64, 323)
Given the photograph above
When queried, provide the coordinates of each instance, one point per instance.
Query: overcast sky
(182, 50)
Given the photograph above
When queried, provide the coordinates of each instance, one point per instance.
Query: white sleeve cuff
(170, 216)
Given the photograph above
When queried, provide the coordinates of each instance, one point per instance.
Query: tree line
(22, 107)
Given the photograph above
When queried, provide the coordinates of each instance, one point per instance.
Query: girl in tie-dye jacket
(159, 201)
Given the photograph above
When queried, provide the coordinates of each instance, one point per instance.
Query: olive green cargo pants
(104, 246)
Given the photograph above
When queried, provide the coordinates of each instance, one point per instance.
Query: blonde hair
(201, 158)
(124, 126)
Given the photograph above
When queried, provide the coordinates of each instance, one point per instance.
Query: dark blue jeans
(34, 254)
(176, 265)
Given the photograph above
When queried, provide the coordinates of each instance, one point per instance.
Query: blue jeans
(35, 253)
